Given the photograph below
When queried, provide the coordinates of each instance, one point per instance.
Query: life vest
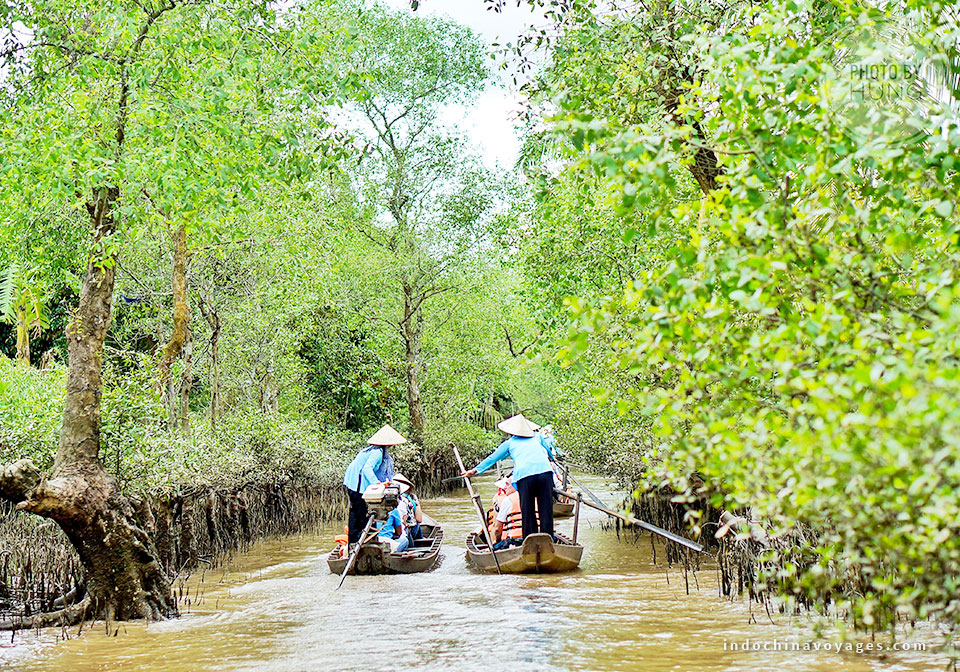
(513, 528)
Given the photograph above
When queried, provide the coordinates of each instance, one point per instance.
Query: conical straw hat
(404, 482)
(386, 436)
(517, 425)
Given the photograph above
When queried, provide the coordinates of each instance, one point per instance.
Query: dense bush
(31, 406)
(244, 447)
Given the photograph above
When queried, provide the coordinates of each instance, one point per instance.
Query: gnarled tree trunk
(705, 168)
(186, 382)
(124, 577)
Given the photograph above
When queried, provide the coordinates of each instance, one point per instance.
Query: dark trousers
(536, 496)
(414, 533)
(358, 515)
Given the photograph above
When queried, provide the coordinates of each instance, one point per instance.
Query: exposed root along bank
(42, 582)
(739, 551)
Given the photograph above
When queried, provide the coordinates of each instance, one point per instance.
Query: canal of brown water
(275, 609)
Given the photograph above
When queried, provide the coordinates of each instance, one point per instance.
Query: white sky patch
(489, 121)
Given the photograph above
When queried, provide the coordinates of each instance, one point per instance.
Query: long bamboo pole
(356, 551)
(580, 485)
(630, 520)
(475, 496)
(576, 516)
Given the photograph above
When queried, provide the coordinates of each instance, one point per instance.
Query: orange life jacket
(513, 528)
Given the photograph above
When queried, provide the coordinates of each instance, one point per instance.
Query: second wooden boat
(538, 554)
(562, 509)
(376, 558)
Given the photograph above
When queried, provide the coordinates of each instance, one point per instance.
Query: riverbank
(194, 527)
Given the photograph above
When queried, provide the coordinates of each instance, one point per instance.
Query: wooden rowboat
(562, 509)
(376, 558)
(539, 554)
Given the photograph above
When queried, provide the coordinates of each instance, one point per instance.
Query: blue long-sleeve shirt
(530, 457)
(361, 470)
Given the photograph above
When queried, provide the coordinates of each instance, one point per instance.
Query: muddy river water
(274, 609)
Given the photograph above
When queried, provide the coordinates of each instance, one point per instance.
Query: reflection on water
(275, 609)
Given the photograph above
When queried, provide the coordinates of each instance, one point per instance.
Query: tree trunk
(215, 397)
(412, 328)
(209, 312)
(269, 394)
(23, 337)
(705, 168)
(124, 578)
(186, 383)
(181, 322)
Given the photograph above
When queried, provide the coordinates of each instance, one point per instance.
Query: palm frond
(8, 282)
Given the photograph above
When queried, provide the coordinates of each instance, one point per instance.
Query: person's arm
(501, 452)
(412, 504)
(368, 468)
(496, 530)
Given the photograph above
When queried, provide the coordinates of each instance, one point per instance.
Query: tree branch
(513, 351)
(19, 480)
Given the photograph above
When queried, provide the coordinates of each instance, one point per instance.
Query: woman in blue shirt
(371, 465)
(532, 472)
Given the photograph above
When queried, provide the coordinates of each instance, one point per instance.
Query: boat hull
(375, 558)
(562, 509)
(538, 555)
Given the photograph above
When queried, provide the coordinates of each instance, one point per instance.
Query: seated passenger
(409, 508)
(496, 499)
(491, 512)
(507, 525)
(390, 528)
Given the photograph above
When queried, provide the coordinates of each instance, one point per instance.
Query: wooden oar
(683, 541)
(356, 552)
(475, 496)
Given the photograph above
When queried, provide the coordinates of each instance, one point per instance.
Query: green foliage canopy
(790, 338)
